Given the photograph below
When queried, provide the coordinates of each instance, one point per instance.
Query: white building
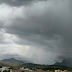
(57, 70)
(4, 68)
(22, 68)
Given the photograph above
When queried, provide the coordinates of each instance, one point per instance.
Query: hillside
(3, 64)
(12, 62)
(45, 67)
(65, 62)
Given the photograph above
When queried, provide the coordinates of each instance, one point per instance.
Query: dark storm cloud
(16, 3)
(53, 25)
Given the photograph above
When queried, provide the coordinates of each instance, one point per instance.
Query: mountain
(12, 62)
(65, 62)
(15, 62)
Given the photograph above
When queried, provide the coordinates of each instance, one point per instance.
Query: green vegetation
(13, 63)
(45, 67)
(3, 64)
(22, 71)
(5, 71)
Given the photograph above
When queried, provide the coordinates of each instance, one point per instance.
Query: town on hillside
(22, 69)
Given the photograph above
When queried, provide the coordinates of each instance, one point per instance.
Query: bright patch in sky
(4, 11)
(7, 12)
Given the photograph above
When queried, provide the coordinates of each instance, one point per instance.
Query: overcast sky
(38, 31)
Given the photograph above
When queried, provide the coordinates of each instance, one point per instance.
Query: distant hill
(15, 62)
(65, 62)
(12, 62)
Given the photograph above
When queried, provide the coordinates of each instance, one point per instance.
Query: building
(4, 68)
(30, 70)
(22, 68)
(65, 70)
(18, 70)
(40, 70)
(58, 70)
(16, 67)
(26, 69)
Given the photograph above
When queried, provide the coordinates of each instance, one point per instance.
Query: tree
(22, 71)
(5, 71)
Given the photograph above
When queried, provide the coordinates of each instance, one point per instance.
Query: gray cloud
(48, 27)
(17, 3)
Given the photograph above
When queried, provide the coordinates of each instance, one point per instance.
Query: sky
(37, 31)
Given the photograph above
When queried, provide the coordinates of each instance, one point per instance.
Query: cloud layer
(18, 3)
(39, 31)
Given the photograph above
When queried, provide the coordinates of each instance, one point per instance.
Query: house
(22, 68)
(17, 70)
(26, 69)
